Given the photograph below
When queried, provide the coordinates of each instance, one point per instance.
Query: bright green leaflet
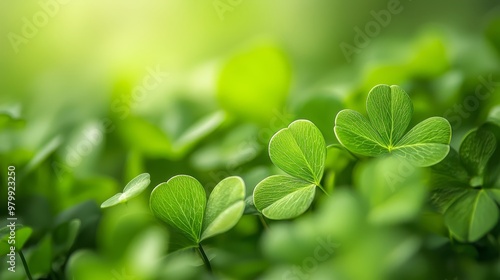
(131, 190)
(389, 111)
(180, 202)
(472, 215)
(224, 207)
(283, 197)
(300, 151)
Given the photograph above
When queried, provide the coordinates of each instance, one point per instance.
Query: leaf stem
(321, 188)
(205, 258)
(25, 264)
(263, 221)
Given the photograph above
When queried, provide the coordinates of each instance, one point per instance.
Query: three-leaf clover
(300, 151)
(461, 190)
(389, 111)
(182, 204)
(131, 190)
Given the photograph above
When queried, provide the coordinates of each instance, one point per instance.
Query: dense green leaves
(300, 151)
(182, 204)
(131, 190)
(389, 111)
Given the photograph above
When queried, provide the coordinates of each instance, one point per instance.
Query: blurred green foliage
(95, 93)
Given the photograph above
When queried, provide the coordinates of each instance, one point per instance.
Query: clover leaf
(283, 197)
(389, 111)
(300, 151)
(472, 215)
(461, 192)
(131, 190)
(224, 207)
(182, 204)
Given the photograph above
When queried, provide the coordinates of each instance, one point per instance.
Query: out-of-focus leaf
(42, 154)
(141, 135)
(449, 172)
(475, 151)
(197, 132)
(85, 264)
(493, 32)
(40, 258)
(131, 190)
(321, 110)
(394, 189)
(472, 215)
(22, 235)
(244, 83)
(237, 147)
(145, 251)
(64, 236)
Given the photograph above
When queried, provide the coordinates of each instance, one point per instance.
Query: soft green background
(75, 126)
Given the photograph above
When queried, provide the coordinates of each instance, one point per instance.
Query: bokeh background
(93, 93)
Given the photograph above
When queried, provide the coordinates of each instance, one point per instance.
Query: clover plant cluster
(465, 184)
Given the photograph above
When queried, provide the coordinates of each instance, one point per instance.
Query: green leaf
(64, 235)
(443, 197)
(224, 207)
(40, 259)
(320, 107)
(180, 203)
(131, 190)
(389, 111)
(475, 151)
(472, 216)
(22, 235)
(393, 188)
(197, 132)
(427, 143)
(494, 115)
(494, 194)
(356, 133)
(283, 197)
(300, 151)
(449, 171)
